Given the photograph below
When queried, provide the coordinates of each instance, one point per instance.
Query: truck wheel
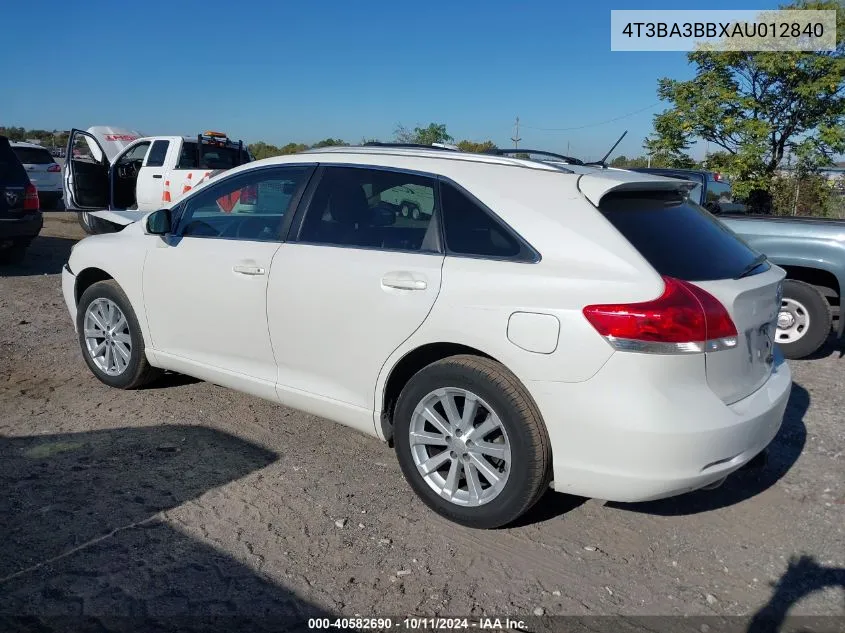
(93, 225)
(804, 319)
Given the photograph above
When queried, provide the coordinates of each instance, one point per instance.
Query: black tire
(93, 225)
(820, 318)
(138, 371)
(13, 255)
(530, 449)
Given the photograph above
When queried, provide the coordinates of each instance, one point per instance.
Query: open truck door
(87, 181)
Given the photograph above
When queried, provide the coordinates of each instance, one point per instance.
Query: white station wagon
(576, 327)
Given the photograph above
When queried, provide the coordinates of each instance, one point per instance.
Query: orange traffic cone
(165, 196)
(187, 186)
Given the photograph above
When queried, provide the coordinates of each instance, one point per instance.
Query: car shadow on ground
(804, 575)
(782, 454)
(86, 547)
(45, 256)
(170, 379)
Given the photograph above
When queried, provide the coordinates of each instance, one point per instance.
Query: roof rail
(442, 146)
(505, 151)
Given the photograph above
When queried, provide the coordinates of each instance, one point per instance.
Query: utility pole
(515, 138)
(567, 148)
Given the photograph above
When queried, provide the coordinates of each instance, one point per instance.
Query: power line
(581, 127)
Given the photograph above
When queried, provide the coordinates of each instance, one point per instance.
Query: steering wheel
(258, 228)
(198, 227)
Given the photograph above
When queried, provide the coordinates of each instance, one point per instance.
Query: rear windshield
(11, 170)
(33, 156)
(213, 157)
(676, 236)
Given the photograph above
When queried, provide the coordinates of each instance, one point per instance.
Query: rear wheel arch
(408, 365)
(826, 282)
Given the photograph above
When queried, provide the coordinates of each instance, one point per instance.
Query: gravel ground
(191, 499)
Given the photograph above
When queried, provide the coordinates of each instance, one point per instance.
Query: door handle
(403, 281)
(156, 175)
(248, 270)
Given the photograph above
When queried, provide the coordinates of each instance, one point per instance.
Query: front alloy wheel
(110, 338)
(107, 336)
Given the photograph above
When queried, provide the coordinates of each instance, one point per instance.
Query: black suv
(20, 212)
(712, 192)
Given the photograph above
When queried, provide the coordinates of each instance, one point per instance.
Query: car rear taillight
(684, 320)
(30, 200)
(54, 168)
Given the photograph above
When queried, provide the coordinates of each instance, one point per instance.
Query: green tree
(329, 142)
(434, 133)
(13, 133)
(757, 107)
(292, 148)
(478, 147)
(261, 150)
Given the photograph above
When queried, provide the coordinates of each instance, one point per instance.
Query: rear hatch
(683, 241)
(42, 170)
(13, 182)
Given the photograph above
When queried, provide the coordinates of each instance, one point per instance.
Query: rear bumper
(648, 427)
(21, 229)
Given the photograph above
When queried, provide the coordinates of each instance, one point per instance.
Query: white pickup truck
(114, 176)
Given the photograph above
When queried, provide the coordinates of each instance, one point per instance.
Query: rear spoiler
(594, 187)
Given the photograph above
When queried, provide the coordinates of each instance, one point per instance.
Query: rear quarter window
(677, 237)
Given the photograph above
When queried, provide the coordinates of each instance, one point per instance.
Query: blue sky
(283, 71)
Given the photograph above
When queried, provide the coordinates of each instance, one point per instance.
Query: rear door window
(33, 156)
(679, 239)
(372, 208)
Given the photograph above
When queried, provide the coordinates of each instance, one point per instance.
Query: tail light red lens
(54, 168)
(684, 319)
(30, 201)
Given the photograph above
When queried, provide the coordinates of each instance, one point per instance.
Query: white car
(43, 171)
(569, 326)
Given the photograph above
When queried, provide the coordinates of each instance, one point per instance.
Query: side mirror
(159, 222)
